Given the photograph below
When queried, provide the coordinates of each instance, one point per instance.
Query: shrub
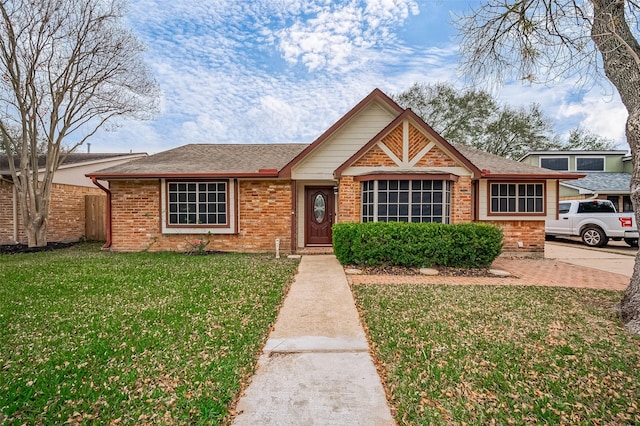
(472, 245)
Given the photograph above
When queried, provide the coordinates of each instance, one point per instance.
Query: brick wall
(66, 221)
(348, 200)
(264, 214)
(6, 213)
(461, 200)
(375, 157)
(529, 233)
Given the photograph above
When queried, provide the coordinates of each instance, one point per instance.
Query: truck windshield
(596, 206)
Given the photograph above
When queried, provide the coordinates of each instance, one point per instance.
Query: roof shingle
(212, 159)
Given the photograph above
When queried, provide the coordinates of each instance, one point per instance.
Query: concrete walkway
(315, 368)
(590, 258)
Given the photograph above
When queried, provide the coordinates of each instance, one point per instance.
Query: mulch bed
(23, 248)
(443, 271)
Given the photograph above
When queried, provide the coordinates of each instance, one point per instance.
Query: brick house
(379, 162)
(66, 221)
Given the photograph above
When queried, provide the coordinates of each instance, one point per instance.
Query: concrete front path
(315, 368)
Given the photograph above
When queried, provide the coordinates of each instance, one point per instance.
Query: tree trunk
(34, 206)
(630, 304)
(621, 60)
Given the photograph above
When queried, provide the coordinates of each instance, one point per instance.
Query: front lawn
(505, 355)
(93, 337)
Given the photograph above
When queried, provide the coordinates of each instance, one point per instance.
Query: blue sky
(265, 71)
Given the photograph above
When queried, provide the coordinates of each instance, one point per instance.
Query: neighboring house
(607, 174)
(66, 221)
(379, 162)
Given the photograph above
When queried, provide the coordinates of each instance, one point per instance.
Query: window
(564, 208)
(406, 201)
(197, 203)
(517, 198)
(596, 206)
(555, 163)
(590, 164)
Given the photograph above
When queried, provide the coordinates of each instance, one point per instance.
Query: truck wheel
(632, 242)
(594, 237)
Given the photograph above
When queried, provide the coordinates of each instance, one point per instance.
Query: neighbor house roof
(494, 166)
(73, 159)
(605, 182)
(207, 160)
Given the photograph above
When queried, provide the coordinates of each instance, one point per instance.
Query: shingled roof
(494, 165)
(73, 158)
(201, 160)
(255, 160)
(605, 182)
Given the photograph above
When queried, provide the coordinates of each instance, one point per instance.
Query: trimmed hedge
(470, 245)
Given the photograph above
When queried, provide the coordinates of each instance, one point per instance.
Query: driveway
(612, 258)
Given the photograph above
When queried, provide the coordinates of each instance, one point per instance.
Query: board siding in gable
(345, 142)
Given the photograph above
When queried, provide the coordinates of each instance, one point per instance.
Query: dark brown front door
(319, 215)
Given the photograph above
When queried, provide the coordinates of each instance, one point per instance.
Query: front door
(319, 215)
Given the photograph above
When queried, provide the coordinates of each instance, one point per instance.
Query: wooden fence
(95, 210)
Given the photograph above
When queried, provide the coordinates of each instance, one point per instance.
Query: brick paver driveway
(542, 272)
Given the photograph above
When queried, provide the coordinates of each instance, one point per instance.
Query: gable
(404, 146)
(343, 142)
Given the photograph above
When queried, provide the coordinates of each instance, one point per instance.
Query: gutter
(94, 179)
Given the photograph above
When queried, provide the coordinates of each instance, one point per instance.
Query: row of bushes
(471, 245)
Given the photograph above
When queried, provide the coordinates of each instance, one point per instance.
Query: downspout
(106, 190)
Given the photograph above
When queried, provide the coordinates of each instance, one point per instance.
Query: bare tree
(548, 40)
(68, 68)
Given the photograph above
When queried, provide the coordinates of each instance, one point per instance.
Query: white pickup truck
(595, 221)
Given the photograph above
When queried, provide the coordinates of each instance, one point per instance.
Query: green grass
(509, 355)
(94, 337)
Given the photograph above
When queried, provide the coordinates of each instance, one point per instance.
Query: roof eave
(128, 176)
(486, 174)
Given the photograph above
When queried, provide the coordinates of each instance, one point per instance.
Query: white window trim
(230, 228)
(604, 163)
(555, 157)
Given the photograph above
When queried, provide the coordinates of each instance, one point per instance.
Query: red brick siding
(66, 221)
(461, 200)
(530, 233)
(6, 213)
(436, 158)
(417, 141)
(393, 141)
(264, 212)
(348, 200)
(375, 157)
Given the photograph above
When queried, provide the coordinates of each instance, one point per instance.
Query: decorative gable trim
(406, 119)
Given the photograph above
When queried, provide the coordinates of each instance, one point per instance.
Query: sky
(279, 71)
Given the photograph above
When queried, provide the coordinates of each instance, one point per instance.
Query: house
(66, 221)
(607, 174)
(379, 162)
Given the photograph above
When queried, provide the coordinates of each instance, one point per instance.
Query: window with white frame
(517, 198)
(197, 204)
(590, 164)
(406, 201)
(555, 163)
